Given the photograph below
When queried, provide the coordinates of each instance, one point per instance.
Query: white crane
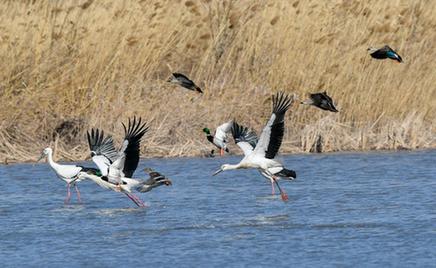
(115, 164)
(264, 153)
(247, 140)
(117, 167)
(67, 173)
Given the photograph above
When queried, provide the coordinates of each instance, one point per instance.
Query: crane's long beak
(40, 157)
(218, 171)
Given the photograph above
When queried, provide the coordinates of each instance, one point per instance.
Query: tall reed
(68, 66)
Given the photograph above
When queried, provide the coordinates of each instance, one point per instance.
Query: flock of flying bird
(115, 168)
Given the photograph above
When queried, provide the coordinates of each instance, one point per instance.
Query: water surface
(359, 209)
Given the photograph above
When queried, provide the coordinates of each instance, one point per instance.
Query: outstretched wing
(272, 134)
(392, 53)
(184, 81)
(245, 138)
(102, 148)
(182, 78)
(222, 130)
(131, 145)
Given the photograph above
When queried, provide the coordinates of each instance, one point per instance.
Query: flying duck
(219, 138)
(384, 53)
(322, 101)
(184, 81)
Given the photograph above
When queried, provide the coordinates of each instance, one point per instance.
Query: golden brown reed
(67, 66)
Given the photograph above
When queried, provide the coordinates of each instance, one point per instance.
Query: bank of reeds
(67, 66)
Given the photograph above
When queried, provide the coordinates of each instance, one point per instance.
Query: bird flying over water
(247, 140)
(184, 81)
(117, 167)
(67, 173)
(219, 138)
(263, 156)
(127, 185)
(115, 164)
(384, 53)
(322, 101)
(156, 179)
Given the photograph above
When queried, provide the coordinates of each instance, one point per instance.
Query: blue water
(362, 209)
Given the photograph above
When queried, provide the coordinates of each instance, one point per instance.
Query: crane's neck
(52, 163)
(236, 166)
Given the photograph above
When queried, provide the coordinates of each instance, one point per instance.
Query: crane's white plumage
(117, 164)
(247, 140)
(263, 156)
(67, 173)
(128, 185)
(120, 165)
(221, 133)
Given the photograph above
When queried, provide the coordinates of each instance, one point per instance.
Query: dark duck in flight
(384, 53)
(184, 81)
(322, 101)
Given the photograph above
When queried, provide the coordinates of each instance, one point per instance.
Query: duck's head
(206, 130)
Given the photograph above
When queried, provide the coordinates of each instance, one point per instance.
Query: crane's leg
(78, 193)
(131, 198)
(138, 200)
(273, 192)
(283, 194)
(67, 199)
(221, 152)
(135, 199)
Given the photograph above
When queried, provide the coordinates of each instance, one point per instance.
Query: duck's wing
(272, 134)
(222, 130)
(185, 82)
(183, 78)
(102, 149)
(392, 53)
(245, 138)
(328, 102)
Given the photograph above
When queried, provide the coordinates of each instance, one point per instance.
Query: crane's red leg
(78, 193)
(283, 194)
(68, 197)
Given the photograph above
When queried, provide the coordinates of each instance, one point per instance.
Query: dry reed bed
(68, 66)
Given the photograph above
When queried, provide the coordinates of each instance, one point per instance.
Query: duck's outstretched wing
(185, 82)
(222, 130)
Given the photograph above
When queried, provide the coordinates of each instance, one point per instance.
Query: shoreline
(382, 151)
